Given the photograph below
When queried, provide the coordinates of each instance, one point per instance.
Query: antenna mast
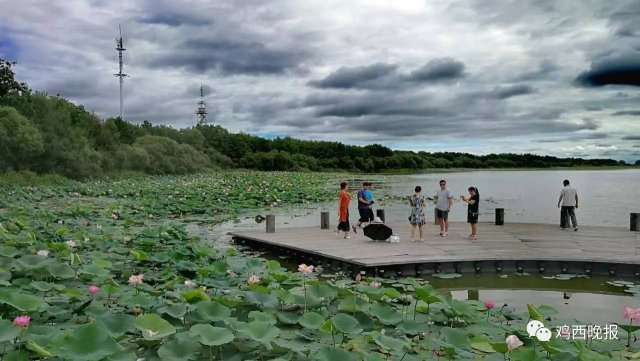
(201, 109)
(120, 48)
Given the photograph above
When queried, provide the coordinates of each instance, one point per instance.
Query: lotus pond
(111, 271)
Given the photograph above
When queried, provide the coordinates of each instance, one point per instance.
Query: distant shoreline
(32, 178)
(455, 170)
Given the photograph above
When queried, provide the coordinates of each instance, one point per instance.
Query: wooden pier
(512, 247)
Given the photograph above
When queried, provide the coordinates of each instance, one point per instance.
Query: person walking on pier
(443, 207)
(417, 218)
(365, 200)
(569, 201)
(473, 202)
(343, 210)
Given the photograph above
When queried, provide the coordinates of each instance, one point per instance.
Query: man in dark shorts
(365, 200)
(443, 207)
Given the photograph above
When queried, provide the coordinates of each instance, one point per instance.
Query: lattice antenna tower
(120, 48)
(201, 109)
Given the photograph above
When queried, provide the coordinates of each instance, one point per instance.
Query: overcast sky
(548, 77)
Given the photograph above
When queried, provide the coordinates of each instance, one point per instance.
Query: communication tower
(201, 109)
(120, 48)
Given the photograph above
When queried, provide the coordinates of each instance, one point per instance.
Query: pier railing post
(271, 223)
(499, 216)
(324, 220)
(634, 224)
(380, 213)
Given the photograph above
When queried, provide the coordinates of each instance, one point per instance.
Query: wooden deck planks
(512, 241)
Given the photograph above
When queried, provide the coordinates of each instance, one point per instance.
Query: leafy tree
(8, 84)
(166, 156)
(20, 140)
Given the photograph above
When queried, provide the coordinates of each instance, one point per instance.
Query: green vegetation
(50, 135)
(94, 271)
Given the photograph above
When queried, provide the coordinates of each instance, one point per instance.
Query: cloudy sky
(548, 77)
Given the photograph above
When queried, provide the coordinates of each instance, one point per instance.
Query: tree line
(50, 135)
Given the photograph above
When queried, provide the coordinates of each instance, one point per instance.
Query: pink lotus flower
(136, 279)
(126, 239)
(513, 342)
(22, 321)
(93, 289)
(488, 304)
(305, 269)
(375, 283)
(85, 223)
(631, 313)
(253, 280)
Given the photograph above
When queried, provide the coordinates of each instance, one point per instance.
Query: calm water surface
(606, 197)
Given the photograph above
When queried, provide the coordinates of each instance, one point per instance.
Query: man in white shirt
(569, 200)
(445, 200)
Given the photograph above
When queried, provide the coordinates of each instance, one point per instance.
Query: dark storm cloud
(631, 137)
(379, 104)
(387, 76)
(230, 57)
(173, 19)
(451, 127)
(612, 70)
(355, 77)
(512, 91)
(402, 114)
(438, 70)
(627, 112)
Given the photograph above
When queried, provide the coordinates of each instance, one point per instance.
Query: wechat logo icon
(536, 329)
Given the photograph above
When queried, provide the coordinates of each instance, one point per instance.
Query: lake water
(606, 199)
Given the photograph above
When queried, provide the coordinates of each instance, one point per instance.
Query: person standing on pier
(417, 218)
(365, 201)
(569, 200)
(443, 207)
(343, 210)
(472, 210)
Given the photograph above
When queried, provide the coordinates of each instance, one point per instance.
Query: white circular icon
(533, 326)
(543, 334)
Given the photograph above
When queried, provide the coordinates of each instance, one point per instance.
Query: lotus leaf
(153, 327)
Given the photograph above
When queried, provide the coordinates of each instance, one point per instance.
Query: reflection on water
(589, 299)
